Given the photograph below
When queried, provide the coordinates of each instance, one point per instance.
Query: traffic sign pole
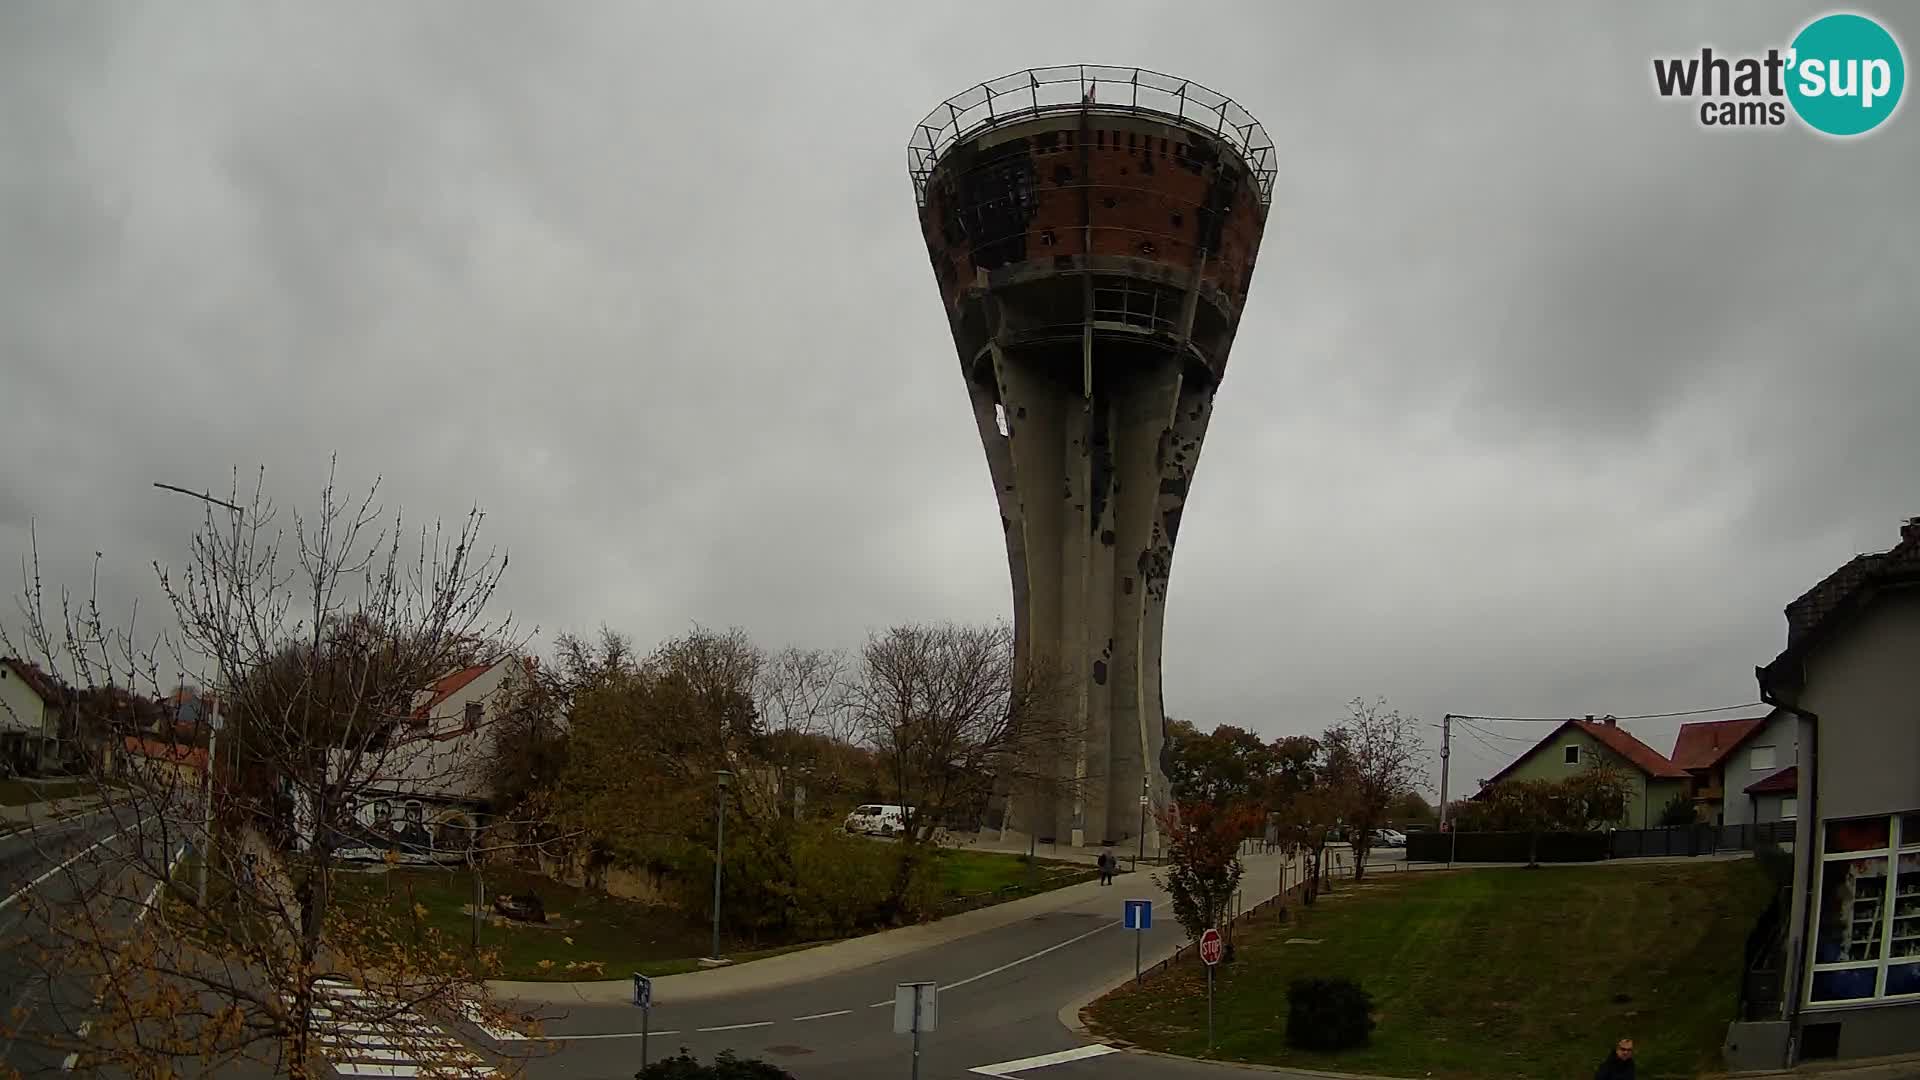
(1210, 955)
(1136, 959)
(643, 997)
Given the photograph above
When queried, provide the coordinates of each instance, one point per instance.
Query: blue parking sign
(1138, 914)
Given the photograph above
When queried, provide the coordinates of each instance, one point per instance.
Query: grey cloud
(1546, 399)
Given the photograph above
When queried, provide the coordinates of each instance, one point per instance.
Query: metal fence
(1071, 87)
(1687, 840)
(1293, 876)
(1698, 839)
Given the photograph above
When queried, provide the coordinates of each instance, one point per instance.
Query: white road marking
(1012, 963)
(29, 886)
(479, 1019)
(613, 1035)
(737, 1027)
(147, 904)
(390, 1042)
(1008, 1068)
(1024, 959)
(823, 1016)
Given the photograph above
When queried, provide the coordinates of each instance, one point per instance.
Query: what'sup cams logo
(1842, 75)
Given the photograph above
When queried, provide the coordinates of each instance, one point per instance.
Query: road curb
(1249, 1066)
(826, 959)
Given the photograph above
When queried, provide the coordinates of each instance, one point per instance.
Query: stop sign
(1210, 946)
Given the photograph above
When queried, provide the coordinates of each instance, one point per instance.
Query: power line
(1496, 735)
(1635, 716)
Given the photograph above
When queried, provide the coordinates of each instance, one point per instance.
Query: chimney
(1910, 532)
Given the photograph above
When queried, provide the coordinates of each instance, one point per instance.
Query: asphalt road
(57, 863)
(1001, 996)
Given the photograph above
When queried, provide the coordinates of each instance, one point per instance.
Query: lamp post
(220, 689)
(719, 849)
(1144, 799)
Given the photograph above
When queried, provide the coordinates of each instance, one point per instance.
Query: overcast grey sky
(1546, 399)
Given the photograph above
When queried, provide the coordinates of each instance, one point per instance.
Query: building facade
(1850, 676)
(1653, 781)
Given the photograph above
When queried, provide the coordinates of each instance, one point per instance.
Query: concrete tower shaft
(1093, 233)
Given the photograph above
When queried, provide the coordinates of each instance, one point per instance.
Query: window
(472, 716)
(1000, 417)
(1789, 806)
(1571, 755)
(1866, 943)
(1760, 757)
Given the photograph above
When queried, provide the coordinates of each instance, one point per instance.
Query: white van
(877, 819)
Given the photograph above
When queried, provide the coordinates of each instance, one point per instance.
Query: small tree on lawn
(1374, 756)
(1203, 860)
(1306, 824)
(950, 711)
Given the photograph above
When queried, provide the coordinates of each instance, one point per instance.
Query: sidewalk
(35, 813)
(837, 957)
(1903, 1067)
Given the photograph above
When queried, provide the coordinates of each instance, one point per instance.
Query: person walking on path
(1108, 864)
(1619, 1064)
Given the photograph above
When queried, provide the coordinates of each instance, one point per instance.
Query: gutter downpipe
(1807, 759)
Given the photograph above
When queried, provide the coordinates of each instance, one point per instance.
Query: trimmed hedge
(1328, 1014)
(1507, 847)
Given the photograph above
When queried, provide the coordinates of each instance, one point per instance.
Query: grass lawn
(17, 792)
(963, 873)
(609, 938)
(1482, 973)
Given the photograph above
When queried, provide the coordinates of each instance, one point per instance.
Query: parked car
(877, 819)
(1390, 838)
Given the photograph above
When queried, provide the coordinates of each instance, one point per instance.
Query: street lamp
(1144, 799)
(719, 849)
(214, 722)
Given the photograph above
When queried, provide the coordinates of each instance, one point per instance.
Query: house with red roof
(1729, 759)
(423, 793)
(1850, 677)
(1581, 744)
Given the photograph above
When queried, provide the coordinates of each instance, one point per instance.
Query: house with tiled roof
(30, 702)
(1653, 780)
(1726, 757)
(425, 792)
(1850, 677)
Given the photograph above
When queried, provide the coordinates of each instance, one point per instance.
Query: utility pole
(220, 690)
(1446, 761)
(719, 850)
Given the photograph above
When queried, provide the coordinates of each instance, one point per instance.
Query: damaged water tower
(1093, 233)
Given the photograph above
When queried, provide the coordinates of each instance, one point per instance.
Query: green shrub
(805, 882)
(683, 1066)
(1328, 1014)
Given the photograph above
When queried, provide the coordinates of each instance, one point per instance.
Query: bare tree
(1372, 757)
(325, 636)
(951, 714)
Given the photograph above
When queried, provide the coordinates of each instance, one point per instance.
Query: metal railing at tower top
(1111, 90)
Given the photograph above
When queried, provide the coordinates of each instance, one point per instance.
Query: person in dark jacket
(1619, 1064)
(1108, 864)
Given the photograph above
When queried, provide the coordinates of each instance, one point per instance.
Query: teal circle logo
(1846, 74)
